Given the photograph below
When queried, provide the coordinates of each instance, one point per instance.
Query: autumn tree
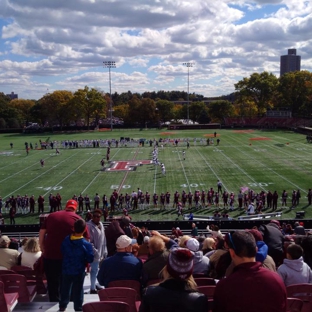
(259, 89)
(220, 109)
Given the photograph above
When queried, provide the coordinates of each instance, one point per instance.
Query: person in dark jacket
(77, 252)
(178, 290)
(274, 238)
(112, 232)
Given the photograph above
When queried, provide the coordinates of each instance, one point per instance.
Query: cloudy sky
(61, 44)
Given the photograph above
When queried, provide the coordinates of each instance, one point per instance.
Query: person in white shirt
(31, 252)
(251, 209)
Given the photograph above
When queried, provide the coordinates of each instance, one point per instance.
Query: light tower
(188, 65)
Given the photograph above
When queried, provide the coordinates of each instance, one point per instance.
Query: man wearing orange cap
(54, 229)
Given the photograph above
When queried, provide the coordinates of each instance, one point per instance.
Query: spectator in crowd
(200, 262)
(306, 245)
(248, 278)
(220, 253)
(121, 266)
(31, 252)
(53, 231)
(22, 244)
(214, 231)
(144, 248)
(178, 290)
(274, 238)
(294, 270)
(135, 249)
(8, 257)
(77, 252)
(209, 244)
(112, 232)
(157, 259)
(261, 256)
(98, 241)
(299, 228)
(194, 231)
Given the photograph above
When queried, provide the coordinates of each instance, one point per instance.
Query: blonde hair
(156, 243)
(183, 240)
(190, 283)
(32, 245)
(208, 243)
(135, 249)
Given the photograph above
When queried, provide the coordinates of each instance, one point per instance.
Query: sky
(62, 44)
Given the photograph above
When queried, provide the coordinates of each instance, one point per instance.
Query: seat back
(3, 304)
(2, 272)
(294, 305)
(207, 290)
(129, 284)
(204, 281)
(107, 306)
(31, 275)
(123, 294)
(302, 292)
(7, 301)
(16, 283)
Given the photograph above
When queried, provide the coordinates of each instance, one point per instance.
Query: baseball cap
(71, 204)
(192, 244)
(124, 241)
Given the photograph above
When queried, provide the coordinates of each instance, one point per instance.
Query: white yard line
(187, 181)
(273, 171)
(212, 170)
(16, 173)
(38, 176)
(97, 175)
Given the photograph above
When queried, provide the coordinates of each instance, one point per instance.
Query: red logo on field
(127, 165)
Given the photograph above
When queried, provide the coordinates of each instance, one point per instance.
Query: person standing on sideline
(54, 229)
(98, 241)
(77, 252)
(248, 278)
(219, 185)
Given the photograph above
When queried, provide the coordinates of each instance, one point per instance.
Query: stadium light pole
(109, 65)
(188, 65)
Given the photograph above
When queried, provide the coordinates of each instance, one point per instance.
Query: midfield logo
(127, 165)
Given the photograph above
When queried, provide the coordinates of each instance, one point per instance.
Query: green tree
(90, 103)
(259, 88)
(24, 109)
(220, 109)
(165, 110)
(295, 90)
(198, 112)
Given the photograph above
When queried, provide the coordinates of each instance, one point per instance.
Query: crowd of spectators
(165, 265)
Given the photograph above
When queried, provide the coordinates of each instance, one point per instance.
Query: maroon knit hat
(256, 234)
(180, 263)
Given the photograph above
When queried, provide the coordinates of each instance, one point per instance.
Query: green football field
(261, 160)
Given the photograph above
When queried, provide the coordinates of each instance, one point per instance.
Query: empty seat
(302, 292)
(128, 283)
(7, 301)
(107, 306)
(17, 283)
(294, 305)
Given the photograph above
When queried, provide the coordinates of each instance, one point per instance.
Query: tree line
(253, 96)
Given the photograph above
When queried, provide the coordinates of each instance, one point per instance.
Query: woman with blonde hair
(31, 252)
(177, 291)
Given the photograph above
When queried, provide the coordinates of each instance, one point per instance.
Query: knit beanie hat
(180, 263)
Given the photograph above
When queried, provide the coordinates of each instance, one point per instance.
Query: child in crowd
(77, 252)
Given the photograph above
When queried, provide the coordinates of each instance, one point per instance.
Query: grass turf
(261, 160)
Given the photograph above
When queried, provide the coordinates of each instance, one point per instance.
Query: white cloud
(48, 44)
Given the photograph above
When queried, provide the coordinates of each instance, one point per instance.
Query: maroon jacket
(250, 288)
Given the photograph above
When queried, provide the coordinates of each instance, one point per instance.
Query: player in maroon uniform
(42, 162)
(196, 199)
(32, 203)
(176, 199)
(203, 198)
(162, 200)
(59, 201)
(147, 199)
(155, 200)
(128, 201)
(217, 200)
(225, 197)
(274, 200)
(80, 203)
(40, 204)
(102, 163)
(167, 199)
(184, 198)
(190, 200)
(121, 199)
(112, 201)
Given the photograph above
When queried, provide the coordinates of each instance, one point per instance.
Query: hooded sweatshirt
(98, 240)
(201, 263)
(295, 272)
